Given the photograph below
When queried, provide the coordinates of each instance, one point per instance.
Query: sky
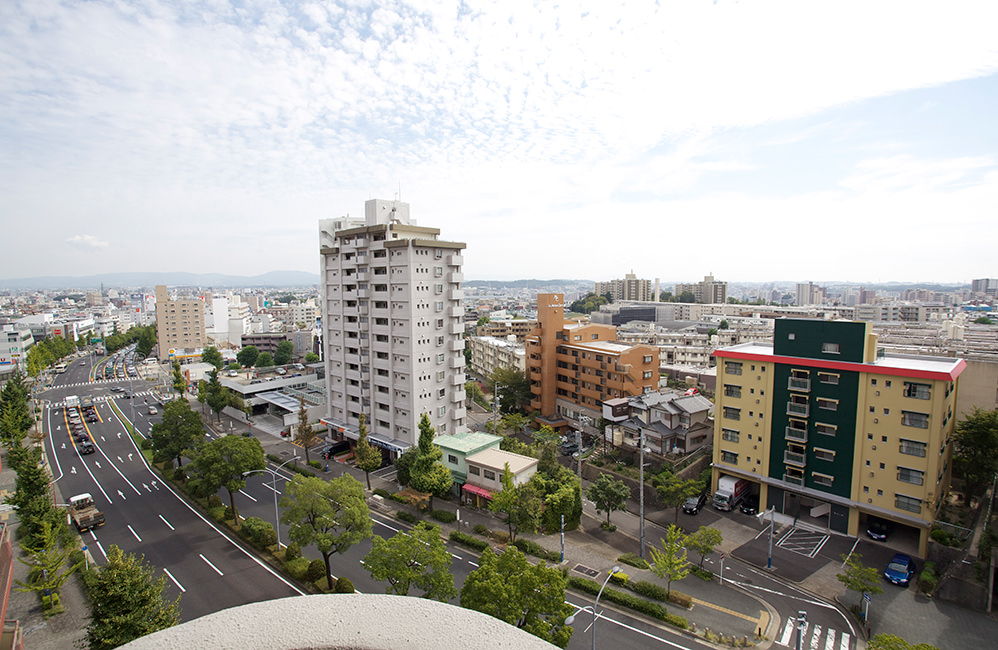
(754, 141)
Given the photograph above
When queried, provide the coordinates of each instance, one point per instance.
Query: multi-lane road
(145, 516)
(212, 572)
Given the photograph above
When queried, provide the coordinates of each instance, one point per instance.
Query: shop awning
(474, 489)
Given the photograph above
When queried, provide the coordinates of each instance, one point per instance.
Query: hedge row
(467, 540)
(531, 547)
(634, 560)
(641, 605)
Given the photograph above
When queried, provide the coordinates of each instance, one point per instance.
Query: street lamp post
(772, 524)
(801, 627)
(592, 608)
(641, 494)
(277, 518)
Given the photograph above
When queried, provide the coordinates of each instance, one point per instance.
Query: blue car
(900, 570)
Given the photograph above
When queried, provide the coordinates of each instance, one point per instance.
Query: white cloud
(86, 241)
(213, 121)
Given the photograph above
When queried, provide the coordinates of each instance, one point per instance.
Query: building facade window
(917, 391)
(824, 454)
(825, 429)
(732, 413)
(828, 378)
(822, 479)
(729, 434)
(733, 367)
(473, 470)
(910, 504)
(452, 459)
(830, 348)
(730, 390)
(912, 448)
(729, 457)
(908, 475)
(913, 419)
(828, 404)
(489, 475)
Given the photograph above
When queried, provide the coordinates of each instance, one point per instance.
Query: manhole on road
(584, 570)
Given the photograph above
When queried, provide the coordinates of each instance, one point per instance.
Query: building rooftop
(497, 459)
(466, 441)
(888, 364)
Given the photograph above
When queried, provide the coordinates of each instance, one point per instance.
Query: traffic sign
(866, 597)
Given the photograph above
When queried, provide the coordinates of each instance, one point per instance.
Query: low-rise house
(457, 447)
(485, 471)
(672, 423)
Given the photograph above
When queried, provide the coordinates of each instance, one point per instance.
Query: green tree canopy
(704, 541)
(332, 515)
(588, 304)
(215, 392)
(126, 600)
(983, 320)
(724, 325)
(211, 355)
(264, 360)
(977, 449)
(413, 559)
(179, 381)
(428, 473)
(247, 356)
(517, 505)
(529, 596)
(222, 462)
(857, 577)
(674, 491)
(285, 350)
(312, 357)
(367, 457)
(670, 563)
(608, 494)
(303, 429)
(687, 296)
(513, 387)
(146, 341)
(180, 433)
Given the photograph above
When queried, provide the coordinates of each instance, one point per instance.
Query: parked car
(878, 529)
(900, 570)
(750, 506)
(568, 448)
(693, 505)
(335, 448)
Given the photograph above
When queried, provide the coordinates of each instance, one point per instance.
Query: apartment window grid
(731, 413)
(917, 391)
(731, 435)
(733, 367)
(729, 457)
(909, 504)
(908, 475)
(914, 419)
(731, 390)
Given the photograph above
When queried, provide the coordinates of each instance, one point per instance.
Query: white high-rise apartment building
(392, 326)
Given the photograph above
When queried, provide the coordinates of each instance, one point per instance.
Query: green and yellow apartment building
(830, 430)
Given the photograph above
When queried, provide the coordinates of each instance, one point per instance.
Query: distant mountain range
(272, 279)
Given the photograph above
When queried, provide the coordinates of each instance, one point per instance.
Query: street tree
(126, 601)
(528, 596)
(217, 399)
(413, 559)
(47, 561)
(222, 462)
(179, 434)
(285, 350)
(303, 429)
(608, 494)
(15, 414)
(670, 563)
(264, 360)
(703, 542)
(312, 357)
(403, 465)
(513, 387)
(332, 515)
(687, 296)
(146, 341)
(976, 452)
(674, 491)
(724, 325)
(211, 355)
(517, 505)
(428, 473)
(857, 577)
(366, 456)
(202, 393)
(247, 356)
(179, 382)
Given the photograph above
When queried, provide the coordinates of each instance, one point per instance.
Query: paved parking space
(803, 542)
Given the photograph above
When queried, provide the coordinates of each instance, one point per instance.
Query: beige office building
(179, 323)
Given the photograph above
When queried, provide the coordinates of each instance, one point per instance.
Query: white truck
(84, 512)
(730, 492)
(71, 401)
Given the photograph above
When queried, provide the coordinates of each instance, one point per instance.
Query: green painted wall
(842, 443)
(809, 335)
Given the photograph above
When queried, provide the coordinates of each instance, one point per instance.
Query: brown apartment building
(573, 367)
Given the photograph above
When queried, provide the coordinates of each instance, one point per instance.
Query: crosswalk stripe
(844, 644)
(815, 637)
(788, 629)
(830, 640)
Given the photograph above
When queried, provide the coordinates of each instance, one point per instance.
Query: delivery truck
(730, 492)
(85, 513)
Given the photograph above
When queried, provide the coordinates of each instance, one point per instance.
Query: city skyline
(842, 140)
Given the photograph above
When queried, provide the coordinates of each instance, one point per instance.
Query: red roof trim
(957, 370)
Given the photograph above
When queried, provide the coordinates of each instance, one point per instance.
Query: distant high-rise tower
(392, 326)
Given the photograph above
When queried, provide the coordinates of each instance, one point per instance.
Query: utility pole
(641, 493)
